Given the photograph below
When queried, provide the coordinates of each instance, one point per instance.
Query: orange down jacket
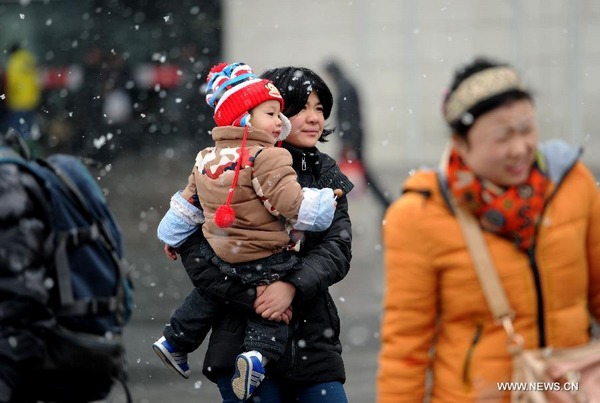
(435, 314)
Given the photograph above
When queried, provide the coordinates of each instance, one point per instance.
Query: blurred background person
(539, 208)
(182, 105)
(3, 110)
(348, 114)
(23, 93)
(88, 100)
(350, 130)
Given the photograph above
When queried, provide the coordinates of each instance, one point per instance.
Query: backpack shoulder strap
(98, 231)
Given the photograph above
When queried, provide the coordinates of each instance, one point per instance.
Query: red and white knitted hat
(233, 90)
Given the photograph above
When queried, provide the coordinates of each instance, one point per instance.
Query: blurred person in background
(23, 93)
(539, 208)
(3, 110)
(349, 125)
(182, 105)
(348, 114)
(311, 369)
(88, 101)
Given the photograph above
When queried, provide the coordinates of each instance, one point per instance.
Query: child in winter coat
(251, 243)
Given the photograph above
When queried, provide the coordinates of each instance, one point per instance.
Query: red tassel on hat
(225, 215)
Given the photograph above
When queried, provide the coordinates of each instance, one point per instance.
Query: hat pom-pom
(215, 69)
(224, 216)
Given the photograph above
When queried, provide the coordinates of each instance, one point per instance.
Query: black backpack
(93, 298)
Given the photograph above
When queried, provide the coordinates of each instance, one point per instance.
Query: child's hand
(171, 252)
(190, 188)
(296, 235)
(337, 193)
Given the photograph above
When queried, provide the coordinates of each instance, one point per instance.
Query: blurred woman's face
(308, 124)
(501, 145)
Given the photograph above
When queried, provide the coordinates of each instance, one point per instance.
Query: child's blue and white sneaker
(249, 373)
(174, 360)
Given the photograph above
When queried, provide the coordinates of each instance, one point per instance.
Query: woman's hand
(274, 301)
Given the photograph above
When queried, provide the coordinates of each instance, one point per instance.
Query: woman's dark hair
(295, 85)
(505, 98)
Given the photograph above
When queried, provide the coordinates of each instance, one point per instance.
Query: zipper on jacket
(537, 281)
(541, 318)
(303, 162)
(467, 381)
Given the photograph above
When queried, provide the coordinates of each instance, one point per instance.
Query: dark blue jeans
(273, 392)
(193, 319)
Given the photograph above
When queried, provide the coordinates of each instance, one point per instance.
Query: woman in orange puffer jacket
(539, 207)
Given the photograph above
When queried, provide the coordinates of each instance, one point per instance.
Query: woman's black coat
(313, 353)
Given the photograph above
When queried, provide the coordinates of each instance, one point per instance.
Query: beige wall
(402, 55)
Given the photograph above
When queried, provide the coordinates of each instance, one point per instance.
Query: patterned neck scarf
(512, 212)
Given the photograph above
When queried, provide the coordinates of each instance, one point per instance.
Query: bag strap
(487, 274)
(484, 267)
(123, 382)
(17, 143)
